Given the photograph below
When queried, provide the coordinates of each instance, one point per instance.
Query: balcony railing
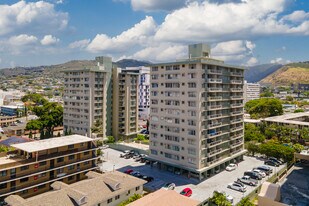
(236, 81)
(214, 89)
(215, 80)
(236, 97)
(236, 120)
(236, 90)
(214, 72)
(213, 116)
(214, 98)
(214, 125)
(215, 107)
(237, 105)
(236, 128)
(236, 74)
(237, 113)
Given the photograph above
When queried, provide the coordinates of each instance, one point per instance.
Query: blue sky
(241, 32)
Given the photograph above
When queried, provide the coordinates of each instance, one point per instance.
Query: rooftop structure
(165, 198)
(99, 189)
(296, 120)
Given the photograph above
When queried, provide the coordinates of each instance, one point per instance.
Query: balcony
(214, 152)
(215, 81)
(214, 72)
(216, 134)
(236, 105)
(211, 126)
(234, 121)
(216, 98)
(236, 113)
(236, 144)
(236, 136)
(236, 82)
(236, 90)
(236, 97)
(236, 74)
(214, 107)
(214, 116)
(214, 89)
(236, 129)
(234, 152)
(215, 143)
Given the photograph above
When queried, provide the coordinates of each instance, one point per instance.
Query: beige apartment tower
(196, 114)
(101, 92)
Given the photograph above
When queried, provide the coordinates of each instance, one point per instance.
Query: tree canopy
(265, 107)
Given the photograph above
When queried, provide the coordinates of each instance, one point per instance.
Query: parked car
(136, 174)
(186, 192)
(271, 163)
(231, 167)
(265, 169)
(126, 152)
(253, 175)
(275, 160)
(237, 186)
(143, 131)
(147, 178)
(263, 174)
(247, 180)
(169, 186)
(128, 171)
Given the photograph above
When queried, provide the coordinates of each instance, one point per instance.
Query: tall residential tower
(196, 114)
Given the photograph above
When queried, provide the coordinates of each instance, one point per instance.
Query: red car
(128, 171)
(186, 192)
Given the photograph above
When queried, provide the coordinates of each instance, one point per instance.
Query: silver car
(237, 186)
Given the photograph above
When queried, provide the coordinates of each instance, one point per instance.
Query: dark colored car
(148, 178)
(186, 192)
(275, 160)
(271, 163)
(253, 175)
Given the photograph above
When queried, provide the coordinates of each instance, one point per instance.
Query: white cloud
(297, 16)
(49, 40)
(31, 16)
(79, 44)
(22, 40)
(155, 5)
(0, 60)
(280, 60)
(139, 34)
(213, 22)
(252, 61)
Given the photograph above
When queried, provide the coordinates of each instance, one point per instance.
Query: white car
(231, 167)
(263, 174)
(237, 186)
(169, 186)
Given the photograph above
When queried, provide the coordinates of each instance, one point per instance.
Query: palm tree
(219, 199)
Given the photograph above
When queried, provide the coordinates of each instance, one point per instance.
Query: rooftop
(98, 188)
(165, 198)
(293, 118)
(51, 143)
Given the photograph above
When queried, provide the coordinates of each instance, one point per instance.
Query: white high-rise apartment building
(143, 89)
(196, 114)
(251, 91)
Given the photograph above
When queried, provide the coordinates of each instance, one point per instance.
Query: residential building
(251, 91)
(33, 166)
(293, 120)
(7, 120)
(88, 97)
(143, 90)
(110, 189)
(196, 114)
(300, 87)
(164, 197)
(125, 107)
(102, 93)
(12, 110)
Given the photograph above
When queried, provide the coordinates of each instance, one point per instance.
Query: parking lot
(201, 190)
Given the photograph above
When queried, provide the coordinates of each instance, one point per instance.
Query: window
(59, 171)
(154, 152)
(3, 185)
(154, 85)
(192, 85)
(109, 200)
(117, 197)
(191, 94)
(24, 179)
(70, 178)
(192, 113)
(86, 163)
(71, 167)
(24, 192)
(86, 153)
(71, 157)
(137, 188)
(42, 163)
(61, 159)
(191, 132)
(42, 186)
(42, 174)
(71, 146)
(24, 168)
(2, 173)
(128, 192)
(154, 69)
(192, 103)
(192, 122)
(191, 151)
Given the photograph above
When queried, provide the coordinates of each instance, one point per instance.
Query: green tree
(298, 147)
(219, 199)
(245, 202)
(266, 107)
(110, 139)
(267, 94)
(289, 98)
(38, 99)
(97, 128)
(252, 147)
(253, 132)
(131, 199)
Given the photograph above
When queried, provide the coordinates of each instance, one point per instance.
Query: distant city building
(7, 120)
(11, 110)
(251, 91)
(144, 87)
(33, 166)
(110, 189)
(300, 87)
(294, 120)
(196, 114)
(101, 93)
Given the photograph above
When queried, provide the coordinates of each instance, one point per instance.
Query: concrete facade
(196, 114)
(251, 91)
